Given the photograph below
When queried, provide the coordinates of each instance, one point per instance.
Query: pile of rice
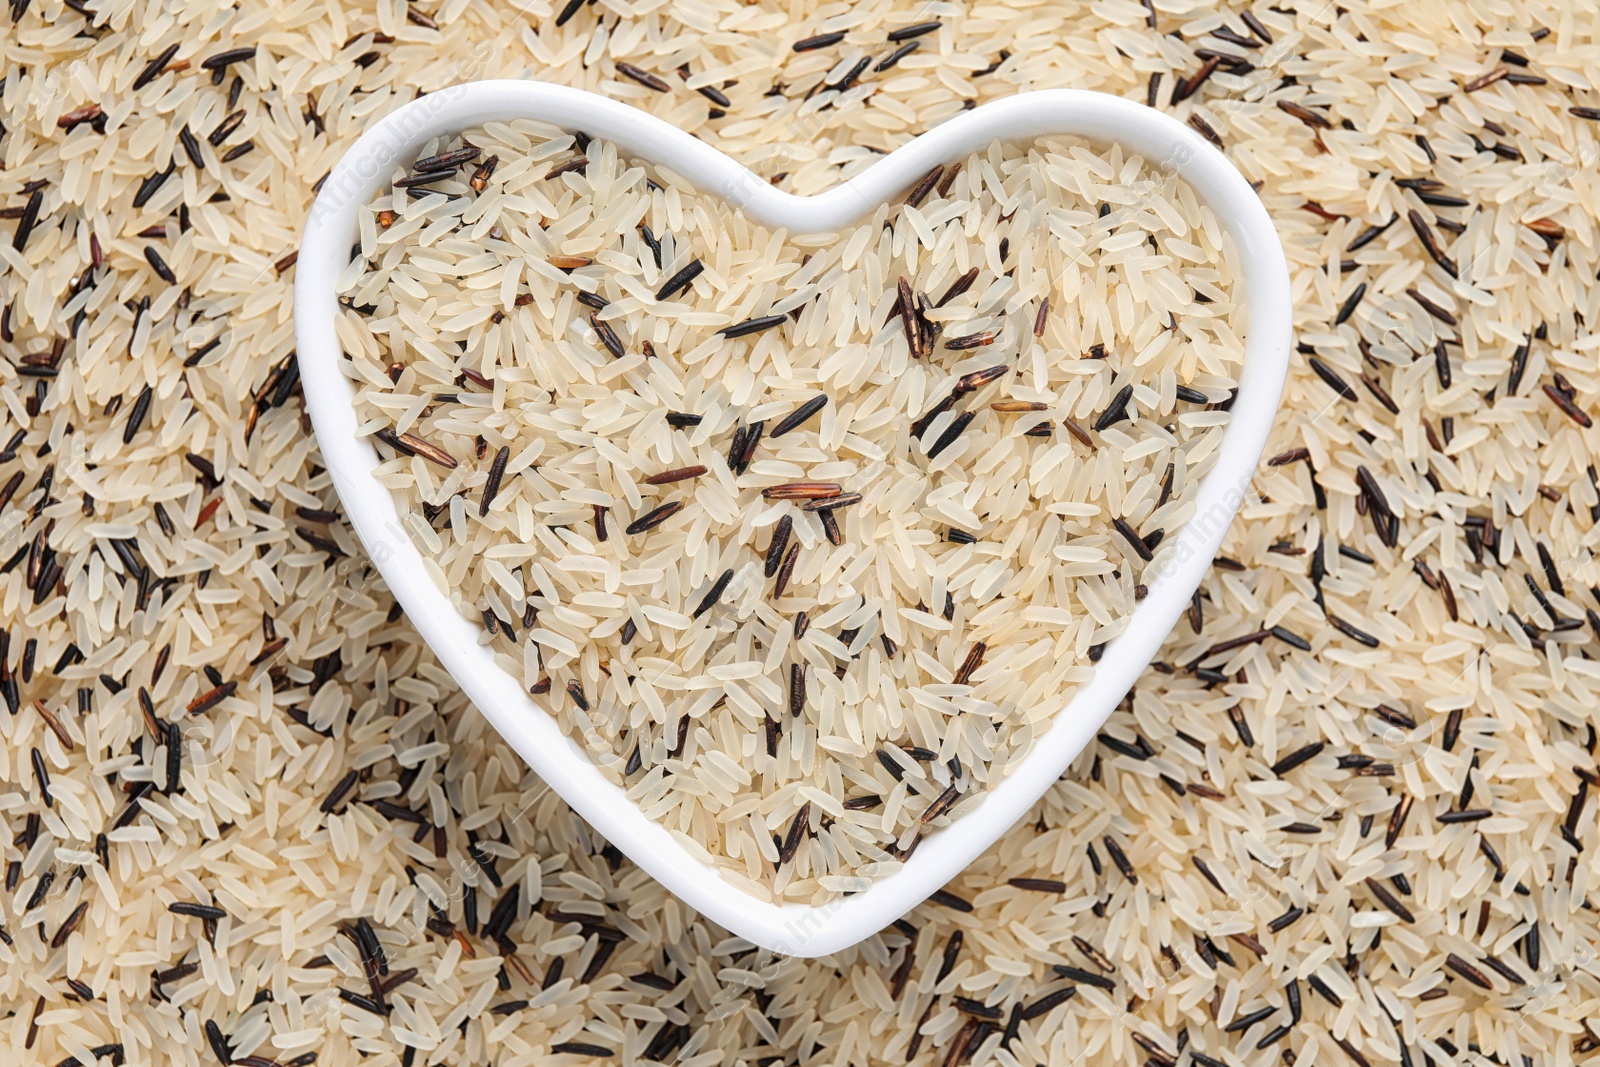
(1378, 850)
(802, 589)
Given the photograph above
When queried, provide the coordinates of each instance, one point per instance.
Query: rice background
(1396, 893)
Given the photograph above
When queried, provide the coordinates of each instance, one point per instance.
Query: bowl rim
(791, 928)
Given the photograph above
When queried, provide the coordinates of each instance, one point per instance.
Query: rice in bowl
(804, 537)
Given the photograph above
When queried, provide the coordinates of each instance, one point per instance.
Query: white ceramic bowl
(795, 929)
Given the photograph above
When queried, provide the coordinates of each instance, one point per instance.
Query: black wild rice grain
(643, 77)
(211, 698)
(1202, 127)
(1397, 820)
(749, 326)
(1254, 24)
(906, 33)
(1290, 638)
(889, 61)
(920, 427)
(1548, 563)
(581, 1048)
(736, 449)
(149, 187)
(775, 548)
(918, 193)
(69, 925)
(1468, 971)
(1433, 199)
(25, 225)
(174, 756)
(797, 687)
(1484, 80)
(1395, 716)
(1122, 748)
(1504, 970)
(951, 432)
(1297, 757)
(1187, 87)
(942, 803)
(159, 265)
(1370, 234)
(1131, 535)
(224, 59)
(1077, 974)
(1351, 303)
(225, 128)
(714, 594)
(419, 178)
(651, 242)
(341, 789)
(799, 415)
(969, 1006)
(1351, 632)
(977, 379)
(1038, 885)
(1565, 404)
(1389, 901)
(1119, 858)
(1430, 243)
(655, 517)
(679, 474)
(1050, 1001)
(1293, 455)
(850, 76)
(969, 666)
(365, 1003)
(196, 911)
(747, 448)
(961, 284)
(797, 830)
(153, 69)
(1078, 433)
(1273, 1036)
(1116, 411)
(1332, 379)
(1249, 1019)
(947, 899)
(40, 891)
(832, 503)
(485, 170)
(608, 336)
(220, 1048)
(680, 281)
(1519, 365)
(575, 691)
(175, 974)
(971, 341)
(42, 777)
(446, 160)
(821, 40)
(785, 570)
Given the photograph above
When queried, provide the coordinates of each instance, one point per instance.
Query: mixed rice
(1381, 849)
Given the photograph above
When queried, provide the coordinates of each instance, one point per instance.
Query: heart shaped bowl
(792, 928)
